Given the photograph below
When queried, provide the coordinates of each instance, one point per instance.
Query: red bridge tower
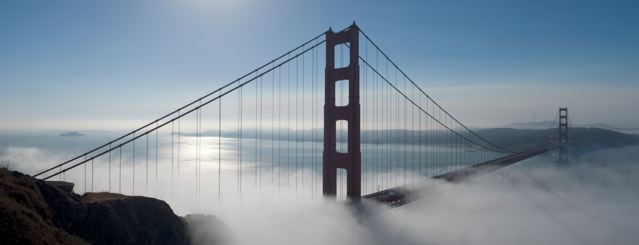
(332, 159)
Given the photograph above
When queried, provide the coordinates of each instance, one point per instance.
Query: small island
(71, 134)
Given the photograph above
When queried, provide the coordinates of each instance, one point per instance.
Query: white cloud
(534, 202)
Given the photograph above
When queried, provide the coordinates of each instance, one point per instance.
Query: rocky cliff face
(37, 212)
(25, 216)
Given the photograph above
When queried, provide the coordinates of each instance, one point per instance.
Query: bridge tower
(332, 159)
(563, 134)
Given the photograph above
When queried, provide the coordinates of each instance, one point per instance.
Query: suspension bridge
(334, 116)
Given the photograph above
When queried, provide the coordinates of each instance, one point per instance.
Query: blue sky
(76, 63)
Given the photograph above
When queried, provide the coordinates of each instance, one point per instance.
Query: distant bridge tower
(563, 134)
(332, 159)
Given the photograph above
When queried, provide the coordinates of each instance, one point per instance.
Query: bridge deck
(398, 196)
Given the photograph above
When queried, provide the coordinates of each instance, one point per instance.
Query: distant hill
(628, 129)
(582, 139)
(531, 125)
(71, 134)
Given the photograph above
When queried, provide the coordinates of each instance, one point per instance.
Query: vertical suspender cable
(420, 144)
(288, 124)
(313, 122)
(397, 146)
(260, 123)
(412, 144)
(302, 118)
(273, 125)
(156, 160)
(315, 118)
(109, 167)
(120, 174)
(219, 152)
(197, 154)
(376, 125)
(85, 174)
(179, 143)
(296, 120)
(146, 179)
(389, 140)
(405, 167)
(172, 155)
(279, 131)
(381, 166)
(257, 129)
(92, 175)
(317, 110)
(133, 166)
(239, 143)
(430, 152)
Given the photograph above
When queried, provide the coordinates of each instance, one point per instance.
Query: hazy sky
(70, 63)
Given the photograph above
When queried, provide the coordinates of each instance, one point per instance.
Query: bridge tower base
(332, 159)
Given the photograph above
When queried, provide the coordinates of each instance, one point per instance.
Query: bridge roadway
(398, 196)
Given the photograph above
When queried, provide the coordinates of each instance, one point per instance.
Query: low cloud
(594, 200)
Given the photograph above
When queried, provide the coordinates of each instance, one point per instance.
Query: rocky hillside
(38, 212)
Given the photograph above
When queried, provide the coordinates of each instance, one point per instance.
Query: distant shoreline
(72, 134)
